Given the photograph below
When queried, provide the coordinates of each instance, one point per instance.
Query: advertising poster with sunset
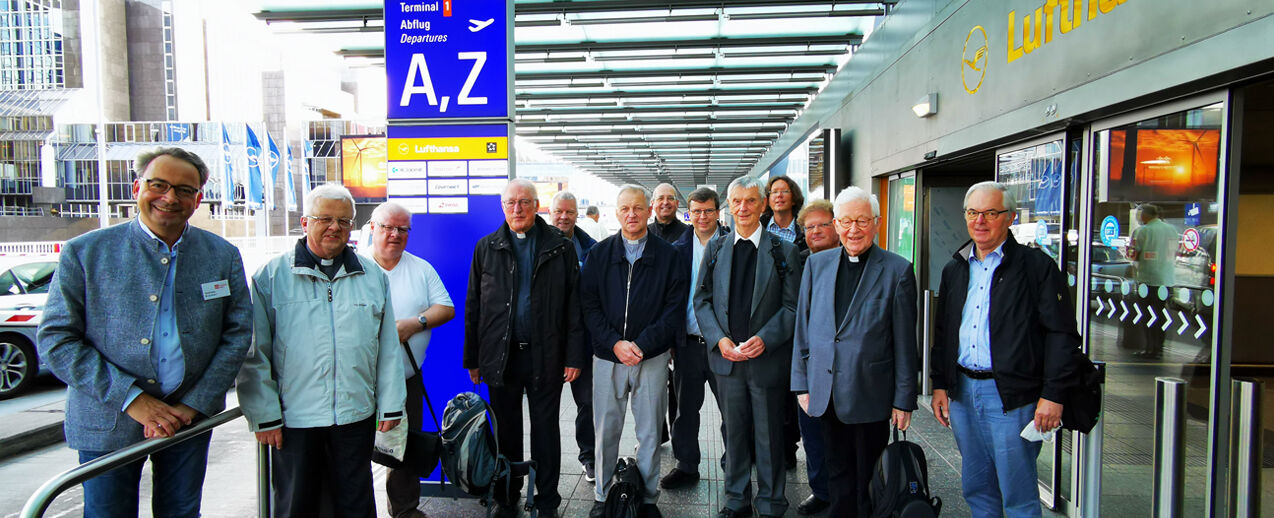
(364, 166)
(1164, 164)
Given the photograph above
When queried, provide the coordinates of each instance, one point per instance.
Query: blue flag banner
(227, 169)
(305, 168)
(289, 183)
(254, 170)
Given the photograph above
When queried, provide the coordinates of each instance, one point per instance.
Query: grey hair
(564, 195)
(387, 209)
(746, 182)
(329, 191)
(143, 160)
(629, 187)
(1149, 209)
(592, 211)
(1010, 201)
(519, 182)
(853, 193)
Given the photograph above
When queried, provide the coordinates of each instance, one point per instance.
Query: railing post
(929, 305)
(1169, 467)
(264, 498)
(1246, 451)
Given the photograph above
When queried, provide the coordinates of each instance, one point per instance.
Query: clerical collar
(519, 235)
(637, 241)
(859, 257)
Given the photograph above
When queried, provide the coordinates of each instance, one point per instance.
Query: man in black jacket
(633, 292)
(666, 226)
(564, 212)
(523, 335)
(1002, 355)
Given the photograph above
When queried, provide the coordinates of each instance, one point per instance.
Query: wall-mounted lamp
(926, 106)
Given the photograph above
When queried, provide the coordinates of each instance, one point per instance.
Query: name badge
(215, 289)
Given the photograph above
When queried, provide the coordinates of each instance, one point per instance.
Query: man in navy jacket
(633, 290)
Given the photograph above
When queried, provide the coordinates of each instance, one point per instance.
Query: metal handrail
(43, 497)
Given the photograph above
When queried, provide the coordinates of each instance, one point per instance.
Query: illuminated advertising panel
(364, 166)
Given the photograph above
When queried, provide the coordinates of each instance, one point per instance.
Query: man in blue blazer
(745, 304)
(854, 365)
(147, 322)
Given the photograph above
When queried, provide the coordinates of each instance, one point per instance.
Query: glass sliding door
(901, 227)
(1151, 283)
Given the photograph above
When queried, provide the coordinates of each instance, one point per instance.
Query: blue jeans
(998, 465)
(178, 474)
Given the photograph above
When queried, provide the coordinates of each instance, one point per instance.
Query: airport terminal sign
(449, 59)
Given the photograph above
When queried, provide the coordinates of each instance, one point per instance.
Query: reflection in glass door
(1151, 295)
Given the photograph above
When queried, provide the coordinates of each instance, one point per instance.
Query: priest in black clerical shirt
(854, 351)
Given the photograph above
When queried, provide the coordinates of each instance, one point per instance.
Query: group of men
(150, 322)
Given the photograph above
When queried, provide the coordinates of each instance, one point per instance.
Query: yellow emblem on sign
(974, 59)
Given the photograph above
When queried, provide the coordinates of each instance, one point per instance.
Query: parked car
(1195, 273)
(24, 287)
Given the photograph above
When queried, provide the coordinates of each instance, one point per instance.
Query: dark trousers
(850, 456)
(754, 437)
(337, 457)
(689, 376)
(546, 437)
(402, 486)
(1153, 335)
(582, 393)
(812, 439)
(178, 474)
(791, 428)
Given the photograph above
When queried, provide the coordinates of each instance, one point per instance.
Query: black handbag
(1082, 410)
(423, 448)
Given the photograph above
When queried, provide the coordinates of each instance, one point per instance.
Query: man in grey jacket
(327, 370)
(147, 323)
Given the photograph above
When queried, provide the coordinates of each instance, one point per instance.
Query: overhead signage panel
(449, 59)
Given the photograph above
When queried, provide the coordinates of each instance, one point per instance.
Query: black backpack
(470, 456)
(900, 485)
(627, 491)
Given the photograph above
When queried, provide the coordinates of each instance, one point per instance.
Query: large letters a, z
(419, 68)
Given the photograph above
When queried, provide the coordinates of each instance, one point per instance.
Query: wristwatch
(424, 322)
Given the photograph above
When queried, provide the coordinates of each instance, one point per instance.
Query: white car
(24, 286)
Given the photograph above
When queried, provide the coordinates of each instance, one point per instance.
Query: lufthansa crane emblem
(974, 59)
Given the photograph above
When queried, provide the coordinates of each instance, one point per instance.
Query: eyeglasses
(326, 221)
(816, 226)
(989, 215)
(849, 223)
(161, 187)
(775, 193)
(390, 229)
(524, 203)
(703, 212)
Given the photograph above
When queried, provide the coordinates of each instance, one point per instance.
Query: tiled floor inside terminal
(706, 498)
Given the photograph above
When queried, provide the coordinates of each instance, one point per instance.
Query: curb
(32, 439)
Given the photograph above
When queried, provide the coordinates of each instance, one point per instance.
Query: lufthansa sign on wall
(448, 59)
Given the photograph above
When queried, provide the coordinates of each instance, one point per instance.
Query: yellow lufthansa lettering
(1014, 50)
(1069, 15)
(1072, 15)
(451, 148)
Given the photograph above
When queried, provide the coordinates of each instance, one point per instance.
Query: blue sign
(1109, 230)
(449, 60)
(1194, 214)
(1041, 233)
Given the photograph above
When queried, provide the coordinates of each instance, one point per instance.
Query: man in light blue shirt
(691, 355)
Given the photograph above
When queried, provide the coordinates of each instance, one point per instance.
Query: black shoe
(812, 505)
(505, 511)
(547, 513)
(598, 510)
(727, 512)
(590, 472)
(678, 479)
(649, 511)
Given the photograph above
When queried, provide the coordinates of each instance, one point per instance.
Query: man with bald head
(421, 303)
(564, 212)
(523, 336)
(663, 206)
(632, 290)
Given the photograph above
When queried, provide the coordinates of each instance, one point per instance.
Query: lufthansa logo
(974, 59)
(404, 148)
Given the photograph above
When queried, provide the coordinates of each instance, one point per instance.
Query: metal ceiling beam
(698, 43)
(677, 72)
(691, 92)
(638, 110)
(319, 15)
(604, 6)
(678, 121)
